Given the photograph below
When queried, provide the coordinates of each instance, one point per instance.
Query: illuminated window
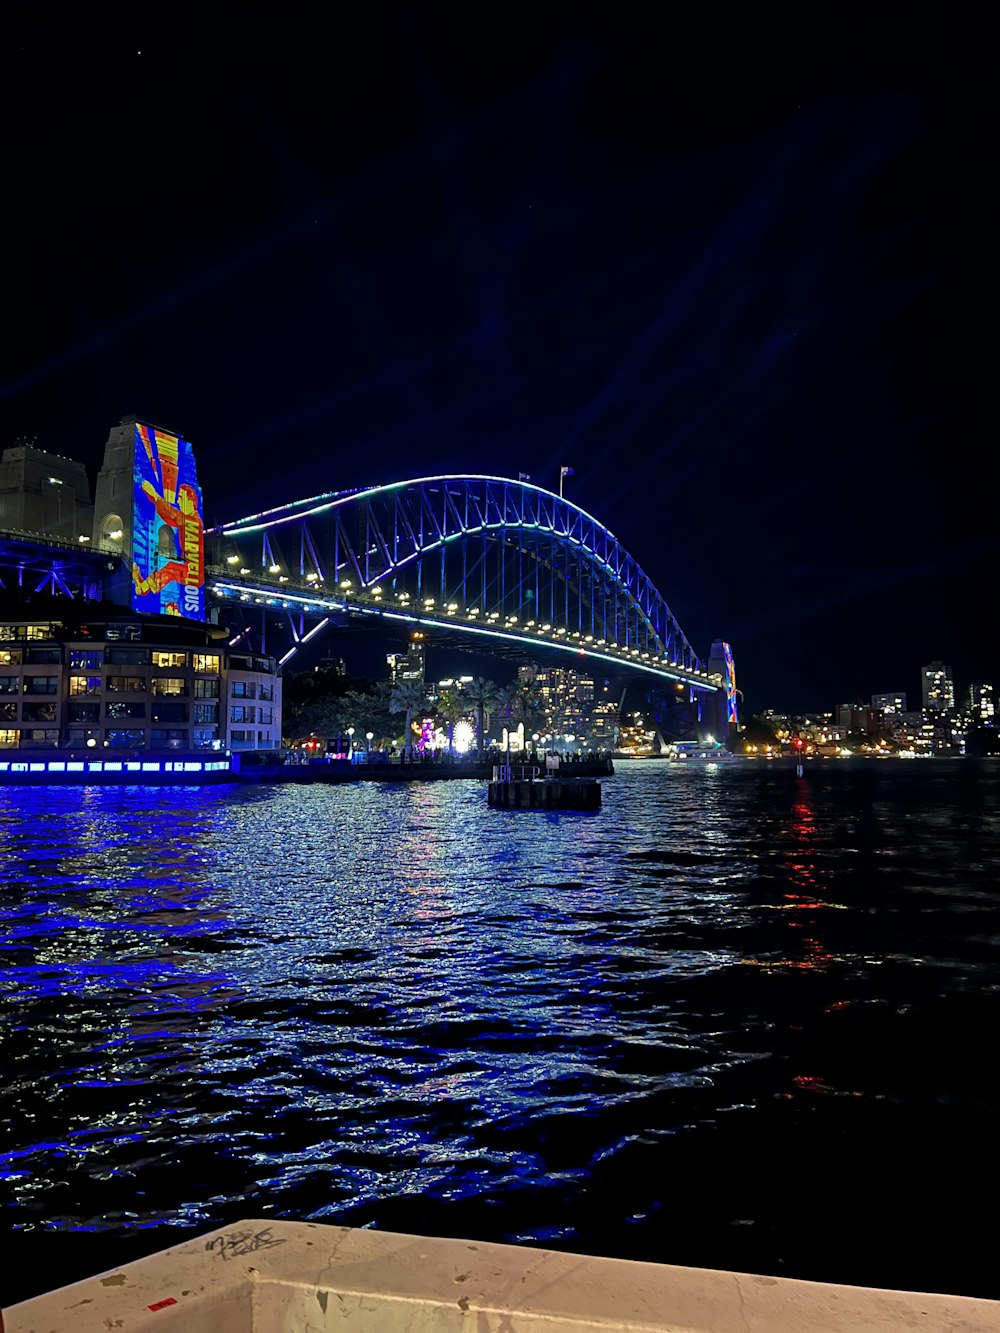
(85, 659)
(84, 684)
(205, 738)
(10, 657)
(242, 713)
(38, 631)
(208, 712)
(169, 659)
(168, 685)
(205, 661)
(10, 684)
(9, 737)
(244, 689)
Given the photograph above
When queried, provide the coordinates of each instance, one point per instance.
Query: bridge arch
(481, 554)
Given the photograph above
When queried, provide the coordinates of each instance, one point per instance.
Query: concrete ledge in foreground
(264, 1276)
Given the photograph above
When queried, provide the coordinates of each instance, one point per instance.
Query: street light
(350, 738)
(369, 737)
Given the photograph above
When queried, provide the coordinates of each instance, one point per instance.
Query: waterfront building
(890, 703)
(980, 703)
(914, 731)
(151, 673)
(938, 687)
(857, 718)
(143, 683)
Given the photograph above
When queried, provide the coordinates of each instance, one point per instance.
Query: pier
(528, 787)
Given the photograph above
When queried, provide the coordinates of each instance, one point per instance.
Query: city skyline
(737, 302)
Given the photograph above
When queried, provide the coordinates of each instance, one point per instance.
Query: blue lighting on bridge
(508, 548)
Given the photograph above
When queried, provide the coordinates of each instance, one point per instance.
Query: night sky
(737, 269)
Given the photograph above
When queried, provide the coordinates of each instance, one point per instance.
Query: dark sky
(737, 268)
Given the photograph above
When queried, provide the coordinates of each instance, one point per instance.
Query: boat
(700, 752)
(264, 1275)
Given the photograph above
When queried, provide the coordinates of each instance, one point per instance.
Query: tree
(368, 710)
(527, 708)
(452, 705)
(406, 697)
(483, 695)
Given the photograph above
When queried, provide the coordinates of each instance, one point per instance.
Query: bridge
(483, 559)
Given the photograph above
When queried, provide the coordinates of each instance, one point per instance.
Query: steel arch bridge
(476, 556)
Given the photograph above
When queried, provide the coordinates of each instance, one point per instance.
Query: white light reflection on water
(391, 1004)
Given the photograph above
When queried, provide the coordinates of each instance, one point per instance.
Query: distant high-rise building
(335, 665)
(893, 702)
(982, 707)
(567, 699)
(938, 687)
(412, 664)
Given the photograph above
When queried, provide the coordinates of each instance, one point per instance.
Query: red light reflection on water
(806, 893)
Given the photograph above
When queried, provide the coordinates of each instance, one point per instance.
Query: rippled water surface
(735, 1019)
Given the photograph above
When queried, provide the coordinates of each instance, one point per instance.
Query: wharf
(524, 787)
(341, 770)
(266, 1274)
(51, 768)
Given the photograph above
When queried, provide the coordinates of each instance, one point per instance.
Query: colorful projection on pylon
(168, 543)
(732, 710)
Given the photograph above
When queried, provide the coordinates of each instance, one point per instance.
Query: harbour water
(735, 1019)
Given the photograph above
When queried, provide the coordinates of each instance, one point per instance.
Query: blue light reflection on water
(640, 1032)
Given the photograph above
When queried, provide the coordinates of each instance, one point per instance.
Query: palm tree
(452, 706)
(482, 695)
(406, 697)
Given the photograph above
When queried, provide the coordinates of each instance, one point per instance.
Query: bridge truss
(32, 563)
(481, 557)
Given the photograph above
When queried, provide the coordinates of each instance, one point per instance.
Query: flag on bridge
(565, 472)
(524, 476)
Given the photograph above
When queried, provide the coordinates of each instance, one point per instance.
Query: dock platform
(266, 1274)
(528, 787)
